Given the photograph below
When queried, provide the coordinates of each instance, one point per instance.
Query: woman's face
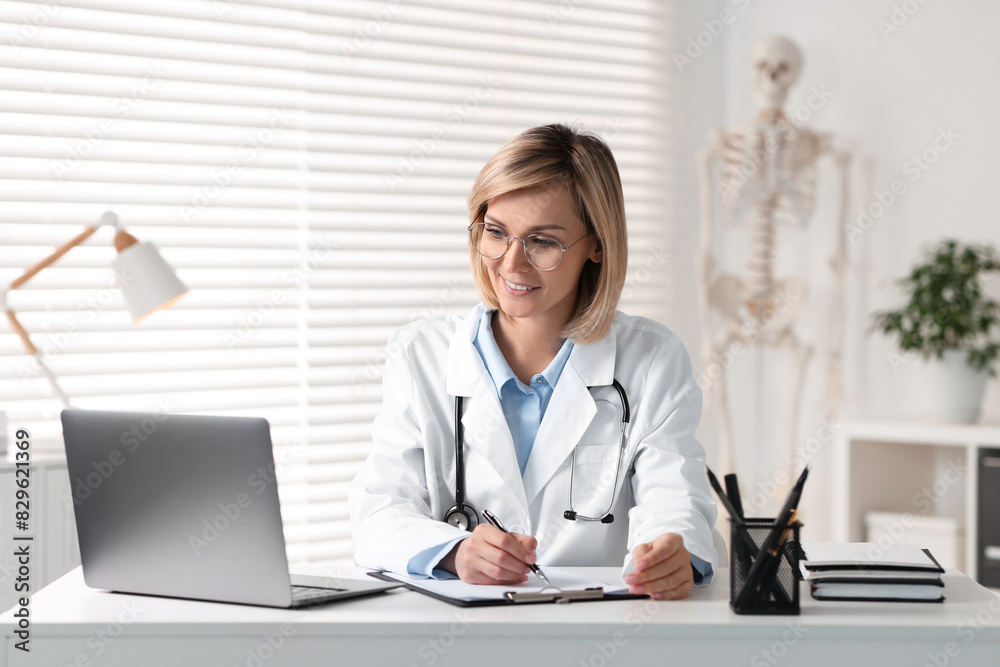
(523, 290)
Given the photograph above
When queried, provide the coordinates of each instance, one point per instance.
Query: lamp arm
(25, 338)
(39, 359)
(108, 218)
(25, 277)
(59, 252)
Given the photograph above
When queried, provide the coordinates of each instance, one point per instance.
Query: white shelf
(923, 469)
(925, 433)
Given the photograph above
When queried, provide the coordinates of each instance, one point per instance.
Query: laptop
(185, 506)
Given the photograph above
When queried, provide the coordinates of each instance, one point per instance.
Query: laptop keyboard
(306, 595)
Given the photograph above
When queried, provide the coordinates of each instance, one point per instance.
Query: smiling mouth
(515, 286)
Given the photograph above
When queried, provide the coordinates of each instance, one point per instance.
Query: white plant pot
(956, 389)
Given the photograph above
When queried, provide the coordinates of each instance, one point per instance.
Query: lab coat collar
(466, 370)
(594, 362)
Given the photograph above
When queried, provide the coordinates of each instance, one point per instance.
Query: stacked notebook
(866, 571)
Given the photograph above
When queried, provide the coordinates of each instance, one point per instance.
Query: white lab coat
(407, 484)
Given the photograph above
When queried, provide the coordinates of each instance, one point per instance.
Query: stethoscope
(463, 516)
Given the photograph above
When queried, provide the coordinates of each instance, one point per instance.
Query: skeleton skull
(775, 63)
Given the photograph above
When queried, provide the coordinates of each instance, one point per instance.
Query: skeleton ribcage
(777, 167)
(768, 171)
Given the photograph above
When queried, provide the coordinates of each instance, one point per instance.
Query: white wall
(890, 94)
(698, 100)
(894, 90)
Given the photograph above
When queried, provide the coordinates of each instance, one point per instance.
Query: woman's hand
(491, 556)
(662, 569)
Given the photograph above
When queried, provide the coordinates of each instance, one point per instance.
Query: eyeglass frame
(524, 246)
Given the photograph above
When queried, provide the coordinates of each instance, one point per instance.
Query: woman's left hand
(662, 569)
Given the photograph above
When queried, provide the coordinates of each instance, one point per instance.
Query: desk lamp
(146, 280)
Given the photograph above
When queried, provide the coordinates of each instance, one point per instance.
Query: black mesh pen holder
(777, 591)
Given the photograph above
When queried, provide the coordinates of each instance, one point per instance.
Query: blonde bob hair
(553, 156)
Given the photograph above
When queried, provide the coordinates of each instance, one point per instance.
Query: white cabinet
(55, 549)
(911, 468)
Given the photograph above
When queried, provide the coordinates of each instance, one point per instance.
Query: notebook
(867, 571)
(862, 557)
(879, 592)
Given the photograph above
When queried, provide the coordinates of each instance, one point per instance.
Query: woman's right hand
(491, 556)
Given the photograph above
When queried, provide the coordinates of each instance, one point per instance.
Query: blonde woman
(571, 422)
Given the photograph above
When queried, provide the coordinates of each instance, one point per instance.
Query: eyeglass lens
(544, 252)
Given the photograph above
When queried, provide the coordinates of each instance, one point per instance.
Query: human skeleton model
(767, 173)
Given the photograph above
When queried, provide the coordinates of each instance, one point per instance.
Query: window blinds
(304, 166)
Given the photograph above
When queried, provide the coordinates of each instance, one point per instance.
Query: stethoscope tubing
(459, 455)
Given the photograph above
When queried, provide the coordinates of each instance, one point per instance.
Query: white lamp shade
(147, 281)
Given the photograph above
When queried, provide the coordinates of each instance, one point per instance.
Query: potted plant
(948, 319)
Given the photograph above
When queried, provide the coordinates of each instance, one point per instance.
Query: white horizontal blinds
(192, 130)
(437, 88)
(304, 165)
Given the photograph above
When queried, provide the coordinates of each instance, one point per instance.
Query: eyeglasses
(542, 252)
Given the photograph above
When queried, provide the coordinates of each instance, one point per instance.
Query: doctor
(579, 472)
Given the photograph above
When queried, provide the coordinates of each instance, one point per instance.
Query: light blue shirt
(523, 408)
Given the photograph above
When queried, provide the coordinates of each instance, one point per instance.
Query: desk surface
(70, 620)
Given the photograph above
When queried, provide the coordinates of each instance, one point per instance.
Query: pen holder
(779, 593)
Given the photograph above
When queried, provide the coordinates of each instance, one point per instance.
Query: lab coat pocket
(595, 460)
(594, 472)
(591, 454)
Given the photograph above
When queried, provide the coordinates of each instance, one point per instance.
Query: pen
(726, 501)
(534, 568)
(733, 491)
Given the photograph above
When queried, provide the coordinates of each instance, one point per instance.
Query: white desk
(73, 625)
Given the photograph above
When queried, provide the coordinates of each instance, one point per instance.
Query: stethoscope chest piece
(464, 518)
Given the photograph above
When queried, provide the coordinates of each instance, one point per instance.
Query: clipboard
(591, 594)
